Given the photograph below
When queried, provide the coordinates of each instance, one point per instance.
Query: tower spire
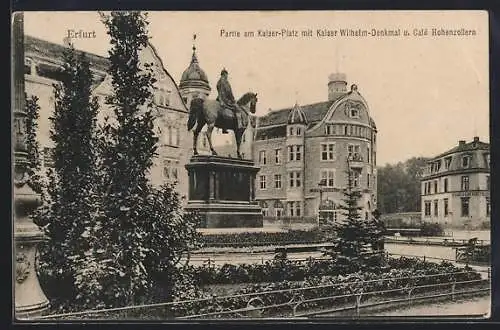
(194, 58)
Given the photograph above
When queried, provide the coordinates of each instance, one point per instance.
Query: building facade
(304, 153)
(43, 61)
(456, 186)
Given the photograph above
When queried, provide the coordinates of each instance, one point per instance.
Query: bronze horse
(210, 112)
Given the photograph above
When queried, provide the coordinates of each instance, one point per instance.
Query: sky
(424, 92)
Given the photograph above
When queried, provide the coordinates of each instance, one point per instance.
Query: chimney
(476, 138)
(461, 143)
(337, 85)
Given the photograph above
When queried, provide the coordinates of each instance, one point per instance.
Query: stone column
(29, 298)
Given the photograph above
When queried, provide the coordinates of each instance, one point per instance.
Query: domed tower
(337, 85)
(295, 137)
(194, 81)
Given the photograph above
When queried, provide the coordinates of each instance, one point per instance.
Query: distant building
(43, 61)
(304, 152)
(456, 185)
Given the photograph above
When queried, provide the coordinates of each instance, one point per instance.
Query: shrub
(431, 229)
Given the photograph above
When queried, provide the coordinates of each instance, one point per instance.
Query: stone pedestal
(30, 300)
(221, 190)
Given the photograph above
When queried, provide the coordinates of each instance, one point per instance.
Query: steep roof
(314, 112)
(56, 51)
(471, 146)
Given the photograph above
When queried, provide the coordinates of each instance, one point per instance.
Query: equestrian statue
(223, 112)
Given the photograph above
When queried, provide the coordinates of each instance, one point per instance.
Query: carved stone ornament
(22, 267)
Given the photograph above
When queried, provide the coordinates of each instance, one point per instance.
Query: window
(465, 206)
(277, 156)
(345, 130)
(277, 181)
(299, 131)
(327, 151)
(290, 131)
(351, 130)
(298, 152)
(355, 178)
(265, 208)
(295, 180)
(278, 209)
(166, 173)
(488, 206)
(445, 207)
(174, 172)
(427, 210)
(488, 160)
(445, 185)
(436, 208)
(488, 182)
(465, 182)
(328, 176)
(354, 113)
(436, 186)
(330, 129)
(294, 209)
(294, 153)
(262, 157)
(262, 182)
(447, 162)
(177, 136)
(368, 154)
(352, 150)
(368, 180)
(27, 66)
(466, 161)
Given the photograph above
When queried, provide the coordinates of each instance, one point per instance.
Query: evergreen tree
(353, 237)
(32, 145)
(143, 232)
(71, 207)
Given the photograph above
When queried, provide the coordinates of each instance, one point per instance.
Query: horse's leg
(238, 134)
(210, 128)
(196, 133)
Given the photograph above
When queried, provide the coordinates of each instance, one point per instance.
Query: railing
(434, 241)
(292, 306)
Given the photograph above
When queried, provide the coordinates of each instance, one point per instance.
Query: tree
(32, 145)
(399, 186)
(143, 232)
(353, 237)
(72, 203)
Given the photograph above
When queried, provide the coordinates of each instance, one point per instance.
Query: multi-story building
(304, 153)
(43, 61)
(456, 185)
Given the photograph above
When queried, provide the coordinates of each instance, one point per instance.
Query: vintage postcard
(251, 165)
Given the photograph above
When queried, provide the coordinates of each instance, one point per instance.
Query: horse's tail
(194, 110)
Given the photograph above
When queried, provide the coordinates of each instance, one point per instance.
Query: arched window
(265, 208)
(278, 209)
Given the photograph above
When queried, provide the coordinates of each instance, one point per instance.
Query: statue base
(221, 191)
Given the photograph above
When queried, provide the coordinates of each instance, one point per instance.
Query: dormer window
(466, 161)
(27, 65)
(354, 113)
(447, 163)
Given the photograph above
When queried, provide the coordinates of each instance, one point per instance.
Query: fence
(255, 306)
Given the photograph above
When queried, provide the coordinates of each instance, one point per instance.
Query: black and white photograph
(250, 165)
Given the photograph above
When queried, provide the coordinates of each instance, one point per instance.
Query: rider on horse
(225, 97)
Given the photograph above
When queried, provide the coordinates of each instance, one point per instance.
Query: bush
(332, 286)
(431, 229)
(261, 238)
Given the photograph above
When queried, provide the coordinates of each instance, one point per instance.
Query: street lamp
(28, 295)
